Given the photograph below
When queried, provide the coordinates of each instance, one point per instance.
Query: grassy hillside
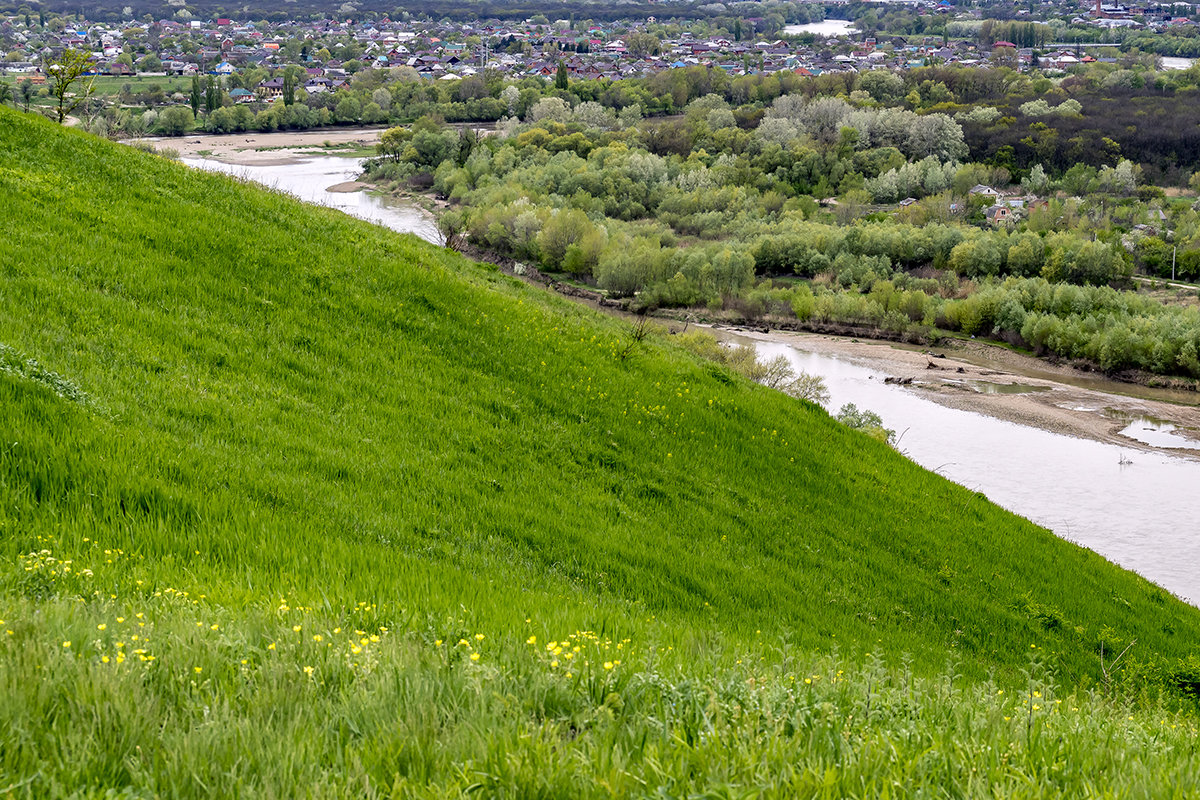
(290, 504)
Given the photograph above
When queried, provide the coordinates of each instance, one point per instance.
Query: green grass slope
(292, 505)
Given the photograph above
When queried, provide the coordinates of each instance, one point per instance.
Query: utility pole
(1174, 250)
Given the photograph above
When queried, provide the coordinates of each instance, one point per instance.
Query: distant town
(1058, 36)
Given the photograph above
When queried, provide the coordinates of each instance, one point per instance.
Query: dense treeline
(583, 192)
(1094, 117)
(1120, 116)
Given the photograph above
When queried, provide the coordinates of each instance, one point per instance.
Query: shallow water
(309, 179)
(829, 27)
(1143, 515)
(1177, 62)
(1157, 433)
(987, 387)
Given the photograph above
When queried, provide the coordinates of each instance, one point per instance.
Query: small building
(998, 215)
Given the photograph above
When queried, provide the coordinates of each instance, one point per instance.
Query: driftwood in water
(898, 381)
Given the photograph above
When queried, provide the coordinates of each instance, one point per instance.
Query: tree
(883, 85)
(176, 120)
(6, 93)
(510, 96)
(63, 72)
(642, 44)
(866, 421)
(194, 95)
(560, 77)
(348, 109)
(549, 108)
(212, 95)
(291, 80)
(1037, 182)
(150, 63)
(26, 90)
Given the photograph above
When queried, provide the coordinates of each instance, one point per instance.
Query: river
(1143, 515)
(829, 27)
(310, 177)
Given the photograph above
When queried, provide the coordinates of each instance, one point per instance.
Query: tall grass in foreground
(242, 416)
(172, 694)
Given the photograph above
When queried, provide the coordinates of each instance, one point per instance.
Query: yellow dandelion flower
(101, 626)
(308, 671)
(531, 640)
(295, 629)
(553, 664)
(474, 656)
(66, 644)
(437, 643)
(213, 627)
(120, 620)
(198, 670)
(608, 665)
(271, 646)
(479, 637)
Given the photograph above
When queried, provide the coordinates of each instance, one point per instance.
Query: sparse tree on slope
(65, 71)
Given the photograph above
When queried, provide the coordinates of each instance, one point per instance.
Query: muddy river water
(1134, 498)
(1136, 502)
(310, 179)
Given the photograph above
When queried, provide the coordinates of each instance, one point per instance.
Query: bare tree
(63, 72)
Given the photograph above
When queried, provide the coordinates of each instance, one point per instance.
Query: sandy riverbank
(1014, 387)
(269, 149)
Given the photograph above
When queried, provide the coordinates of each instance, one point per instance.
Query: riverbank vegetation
(292, 504)
(827, 212)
